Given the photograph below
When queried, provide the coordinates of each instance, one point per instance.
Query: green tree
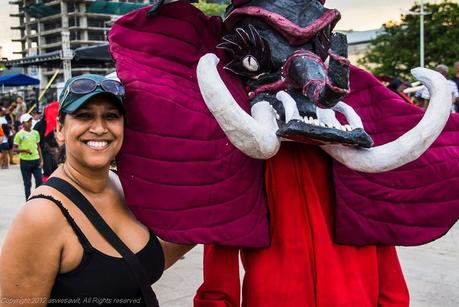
(396, 51)
(211, 9)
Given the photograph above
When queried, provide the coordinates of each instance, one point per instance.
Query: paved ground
(432, 271)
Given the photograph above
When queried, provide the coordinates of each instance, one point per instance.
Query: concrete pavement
(432, 271)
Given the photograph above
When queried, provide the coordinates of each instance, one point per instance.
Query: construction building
(51, 31)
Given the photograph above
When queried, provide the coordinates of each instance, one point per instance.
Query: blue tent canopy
(18, 80)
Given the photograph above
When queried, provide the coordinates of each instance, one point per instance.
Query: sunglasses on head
(85, 86)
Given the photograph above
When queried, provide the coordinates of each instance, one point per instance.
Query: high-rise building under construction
(51, 30)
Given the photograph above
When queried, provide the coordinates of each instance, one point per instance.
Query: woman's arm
(30, 257)
(173, 252)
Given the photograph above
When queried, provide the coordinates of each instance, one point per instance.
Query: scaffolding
(58, 27)
(114, 8)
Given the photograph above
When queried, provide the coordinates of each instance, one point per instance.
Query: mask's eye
(250, 63)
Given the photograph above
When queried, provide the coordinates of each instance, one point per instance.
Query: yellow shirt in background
(28, 140)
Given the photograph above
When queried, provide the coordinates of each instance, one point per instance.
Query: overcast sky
(357, 15)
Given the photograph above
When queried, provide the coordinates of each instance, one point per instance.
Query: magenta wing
(412, 205)
(181, 175)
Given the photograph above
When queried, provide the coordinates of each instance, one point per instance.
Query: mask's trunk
(324, 86)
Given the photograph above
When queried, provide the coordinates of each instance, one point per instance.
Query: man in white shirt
(443, 69)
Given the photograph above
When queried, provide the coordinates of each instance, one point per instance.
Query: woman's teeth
(97, 144)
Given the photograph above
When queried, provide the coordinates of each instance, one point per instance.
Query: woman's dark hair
(61, 117)
(394, 84)
(61, 153)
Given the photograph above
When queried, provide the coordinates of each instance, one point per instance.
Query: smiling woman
(75, 239)
(94, 131)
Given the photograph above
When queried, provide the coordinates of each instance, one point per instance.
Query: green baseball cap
(69, 101)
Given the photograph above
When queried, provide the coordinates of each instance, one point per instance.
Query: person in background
(36, 116)
(12, 111)
(26, 144)
(21, 108)
(443, 69)
(455, 79)
(422, 99)
(4, 132)
(397, 85)
(49, 148)
(11, 123)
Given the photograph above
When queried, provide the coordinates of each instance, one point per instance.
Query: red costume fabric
(303, 266)
(51, 112)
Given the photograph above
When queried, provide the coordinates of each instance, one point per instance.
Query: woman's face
(93, 134)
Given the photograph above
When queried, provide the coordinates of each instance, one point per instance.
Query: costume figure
(48, 144)
(185, 178)
(295, 27)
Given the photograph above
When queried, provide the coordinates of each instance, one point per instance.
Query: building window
(52, 39)
(74, 22)
(75, 36)
(96, 36)
(51, 26)
(97, 23)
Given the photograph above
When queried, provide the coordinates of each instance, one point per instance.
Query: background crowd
(421, 97)
(27, 138)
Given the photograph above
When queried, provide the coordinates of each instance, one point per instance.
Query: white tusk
(290, 107)
(351, 116)
(327, 116)
(412, 144)
(255, 137)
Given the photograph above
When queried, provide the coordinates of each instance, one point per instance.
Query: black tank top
(100, 279)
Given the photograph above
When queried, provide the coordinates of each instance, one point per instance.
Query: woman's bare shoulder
(31, 252)
(40, 216)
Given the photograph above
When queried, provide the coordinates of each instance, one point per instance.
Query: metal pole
(422, 35)
(67, 68)
(56, 72)
(67, 53)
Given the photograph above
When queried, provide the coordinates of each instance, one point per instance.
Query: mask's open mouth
(320, 126)
(308, 133)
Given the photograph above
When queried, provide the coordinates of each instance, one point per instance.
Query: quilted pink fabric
(181, 175)
(412, 205)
